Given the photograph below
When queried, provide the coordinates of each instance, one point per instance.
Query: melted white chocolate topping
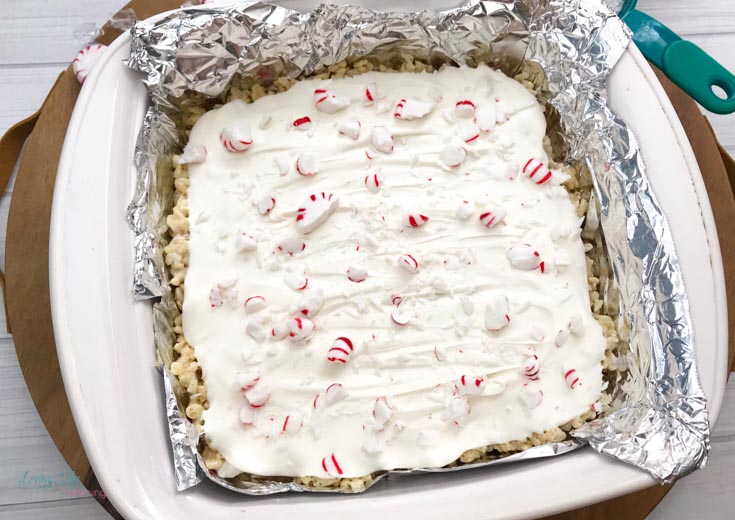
(440, 302)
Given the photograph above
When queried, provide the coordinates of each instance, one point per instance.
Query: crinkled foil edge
(662, 423)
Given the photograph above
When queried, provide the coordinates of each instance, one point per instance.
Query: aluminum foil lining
(661, 422)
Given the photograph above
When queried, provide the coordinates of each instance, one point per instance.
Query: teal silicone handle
(692, 69)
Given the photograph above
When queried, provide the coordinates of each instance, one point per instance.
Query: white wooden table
(38, 40)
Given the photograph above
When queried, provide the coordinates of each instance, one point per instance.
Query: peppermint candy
(340, 350)
(452, 156)
(306, 165)
(350, 128)
(245, 243)
(193, 154)
(464, 108)
(330, 102)
(531, 395)
(281, 164)
(382, 139)
(371, 93)
(485, 117)
(410, 108)
(247, 416)
(525, 257)
(457, 410)
(537, 171)
(86, 59)
(399, 317)
(409, 263)
(440, 353)
(255, 304)
(497, 313)
(302, 123)
(257, 396)
(382, 411)
(244, 381)
(357, 273)
(571, 378)
(300, 329)
(372, 182)
(493, 217)
(296, 281)
(334, 393)
(469, 132)
(314, 211)
(279, 332)
(266, 204)
(223, 292)
(331, 466)
(531, 368)
(255, 331)
(468, 385)
(416, 219)
(290, 245)
(292, 423)
(236, 138)
(561, 337)
(310, 303)
(464, 210)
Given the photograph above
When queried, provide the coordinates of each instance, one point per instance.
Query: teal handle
(692, 69)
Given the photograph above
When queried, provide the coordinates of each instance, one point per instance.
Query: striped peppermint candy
(416, 219)
(525, 257)
(247, 416)
(279, 332)
(331, 466)
(537, 171)
(357, 273)
(531, 395)
(571, 377)
(258, 395)
(303, 123)
(371, 93)
(411, 108)
(497, 313)
(330, 102)
(493, 217)
(306, 165)
(469, 132)
(244, 381)
(296, 281)
(255, 304)
(292, 423)
(382, 139)
(372, 182)
(452, 156)
(310, 303)
(314, 211)
(340, 350)
(86, 60)
(531, 368)
(350, 128)
(409, 263)
(290, 245)
(300, 329)
(464, 108)
(468, 385)
(236, 138)
(266, 204)
(334, 393)
(383, 412)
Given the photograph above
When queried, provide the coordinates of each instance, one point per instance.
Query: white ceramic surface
(104, 337)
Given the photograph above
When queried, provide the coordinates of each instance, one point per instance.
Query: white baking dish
(105, 345)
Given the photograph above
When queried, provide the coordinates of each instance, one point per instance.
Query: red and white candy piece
(306, 165)
(350, 128)
(255, 331)
(399, 317)
(382, 411)
(452, 156)
(310, 303)
(86, 59)
(302, 123)
(411, 108)
(290, 245)
(457, 410)
(464, 108)
(561, 337)
(193, 154)
(244, 381)
(497, 313)
(469, 132)
(371, 93)
(416, 219)
(279, 332)
(382, 139)
(258, 395)
(281, 164)
(254, 304)
(537, 172)
(571, 377)
(525, 257)
(331, 466)
(340, 350)
(266, 204)
(236, 138)
(334, 393)
(223, 292)
(464, 210)
(245, 243)
(314, 211)
(409, 263)
(531, 368)
(372, 182)
(576, 325)
(300, 329)
(330, 102)
(296, 281)
(357, 273)
(292, 423)
(247, 416)
(531, 395)
(492, 217)
(468, 385)
(485, 117)
(440, 353)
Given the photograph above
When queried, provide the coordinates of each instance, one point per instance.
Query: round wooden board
(27, 267)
